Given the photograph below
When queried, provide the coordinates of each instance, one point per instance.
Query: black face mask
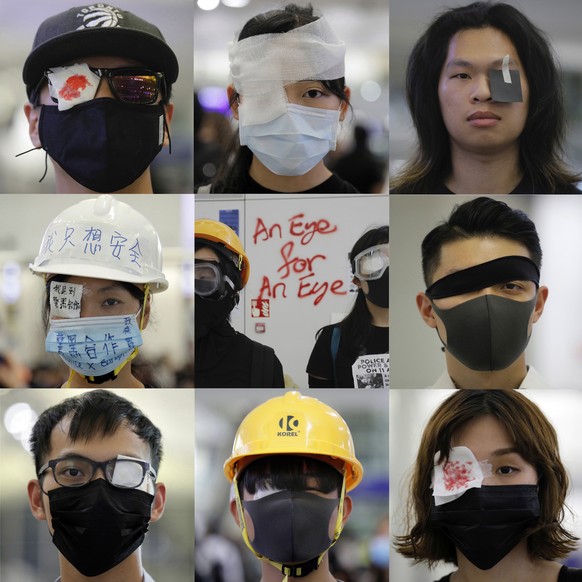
(211, 313)
(97, 526)
(103, 144)
(486, 524)
(487, 333)
(291, 527)
(378, 290)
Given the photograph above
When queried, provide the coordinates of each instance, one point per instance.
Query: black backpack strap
(262, 366)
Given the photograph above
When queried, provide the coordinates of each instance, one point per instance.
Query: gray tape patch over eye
(505, 85)
(502, 270)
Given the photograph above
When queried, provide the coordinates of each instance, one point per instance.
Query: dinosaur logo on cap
(100, 16)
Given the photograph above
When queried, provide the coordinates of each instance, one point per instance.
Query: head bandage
(262, 65)
(459, 473)
(502, 270)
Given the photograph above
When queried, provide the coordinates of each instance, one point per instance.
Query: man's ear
(347, 509)
(35, 499)
(424, 305)
(234, 511)
(159, 502)
(230, 91)
(32, 115)
(169, 109)
(542, 297)
(345, 104)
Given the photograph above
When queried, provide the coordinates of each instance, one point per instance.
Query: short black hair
(480, 217)
(96, 413)
(289, 472)
(541, 141)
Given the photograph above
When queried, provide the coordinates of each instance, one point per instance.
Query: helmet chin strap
(114, 373)
(293, 570)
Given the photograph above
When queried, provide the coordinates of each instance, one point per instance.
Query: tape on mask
(262, 65)
(459, 473)
(505, 85)
(502, 270)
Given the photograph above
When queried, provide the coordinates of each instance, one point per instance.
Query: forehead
(464, 253)
(98, 448)
(91, 285)
(206, 253)
(481, 47)
(482, 435)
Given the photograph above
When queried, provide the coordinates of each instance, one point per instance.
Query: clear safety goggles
(371, 263)
(208, 279)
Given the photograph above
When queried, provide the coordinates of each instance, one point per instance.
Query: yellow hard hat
(217, 232)
(294, 424)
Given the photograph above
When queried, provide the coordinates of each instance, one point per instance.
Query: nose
(104, 90)
(481, 90)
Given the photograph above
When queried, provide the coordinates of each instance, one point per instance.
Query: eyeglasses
(137, 85)
(76, 471)
(209, 279)
(133, 85)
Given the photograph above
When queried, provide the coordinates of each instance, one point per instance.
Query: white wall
(296, 312)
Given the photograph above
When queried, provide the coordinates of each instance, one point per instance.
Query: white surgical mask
(293, 143)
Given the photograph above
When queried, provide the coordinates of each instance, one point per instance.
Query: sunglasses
(137, 85)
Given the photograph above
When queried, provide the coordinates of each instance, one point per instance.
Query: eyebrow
(468, 64)
(112, 287)
(506, 451)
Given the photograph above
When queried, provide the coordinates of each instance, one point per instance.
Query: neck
(506, 379)
(262, 175)
(130, 570)
(125, 379)
(478, 173)
(322, 574)
(66, 185)
(380, 315)
(517, 566)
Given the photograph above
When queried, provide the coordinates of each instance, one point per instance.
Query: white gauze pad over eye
(72, 85)
(261, 66)
(462, 471)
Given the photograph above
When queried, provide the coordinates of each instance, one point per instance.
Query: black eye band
(502, 270)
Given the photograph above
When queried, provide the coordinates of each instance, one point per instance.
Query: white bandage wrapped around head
(462, 471)
(262, 65)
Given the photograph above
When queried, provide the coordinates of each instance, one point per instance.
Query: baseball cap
(97, 29)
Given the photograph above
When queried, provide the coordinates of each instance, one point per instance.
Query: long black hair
(542, 139)
(238, 158)
(357, 325)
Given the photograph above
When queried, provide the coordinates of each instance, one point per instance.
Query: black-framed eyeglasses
(137, 85)
(76, 471)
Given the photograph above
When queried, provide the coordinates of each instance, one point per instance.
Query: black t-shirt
(333, 185)
(223, 359)
(321, 362)
(566, 575)
(524, 187)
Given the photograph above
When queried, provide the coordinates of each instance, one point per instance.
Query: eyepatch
(502, 270)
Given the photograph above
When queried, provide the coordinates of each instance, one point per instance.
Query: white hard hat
(102, 238)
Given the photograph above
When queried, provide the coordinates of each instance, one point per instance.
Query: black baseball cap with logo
(97, 29)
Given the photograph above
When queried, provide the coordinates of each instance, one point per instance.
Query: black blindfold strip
(502, 270)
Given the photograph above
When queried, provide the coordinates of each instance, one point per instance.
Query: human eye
(507, 470)
(111, 302)
(461, 76)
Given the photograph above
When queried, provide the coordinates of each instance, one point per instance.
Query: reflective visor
(371, 263)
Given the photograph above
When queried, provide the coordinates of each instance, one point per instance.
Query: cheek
(249, 525)
(331, 526)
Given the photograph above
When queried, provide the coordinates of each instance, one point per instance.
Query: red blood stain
(457, 474)
(73, 87)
